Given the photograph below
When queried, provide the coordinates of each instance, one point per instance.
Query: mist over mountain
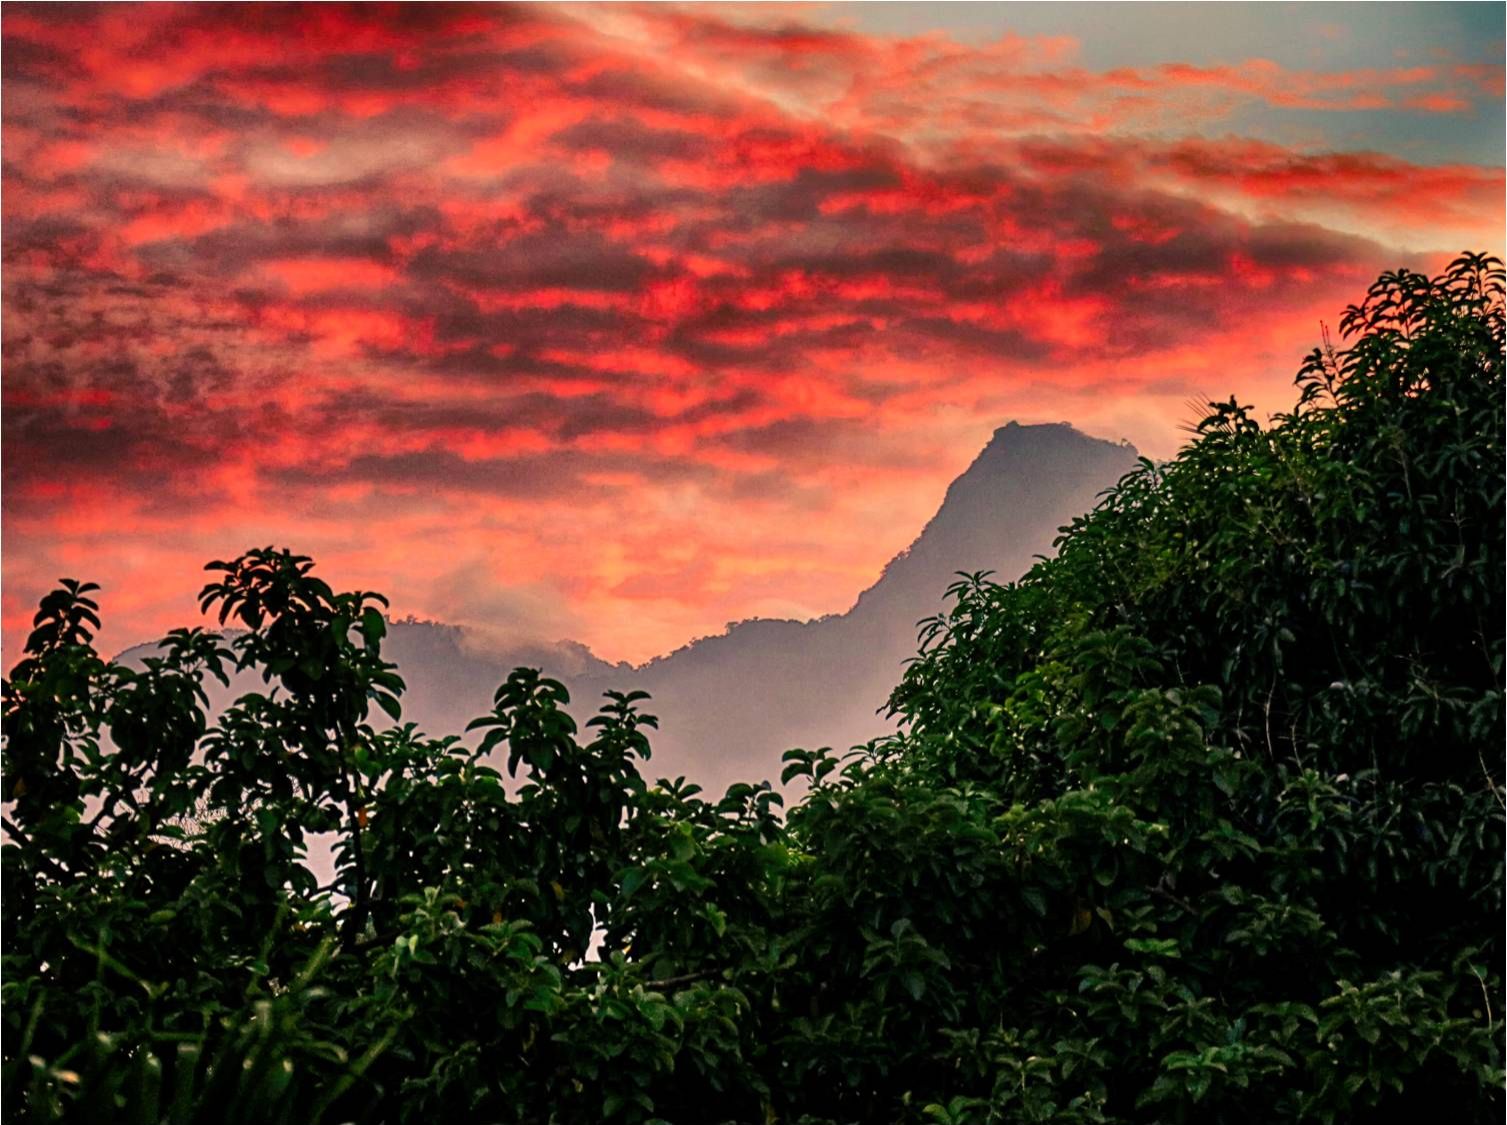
(730, 704)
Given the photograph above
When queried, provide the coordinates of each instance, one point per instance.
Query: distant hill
(729, 705)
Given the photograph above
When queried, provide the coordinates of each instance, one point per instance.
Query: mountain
(729, 705)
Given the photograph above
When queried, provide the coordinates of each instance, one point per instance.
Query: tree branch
(683, 978)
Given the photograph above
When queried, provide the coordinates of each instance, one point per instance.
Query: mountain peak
(1005, 508)
(1043, 434)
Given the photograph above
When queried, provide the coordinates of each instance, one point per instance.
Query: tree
(1202, 820)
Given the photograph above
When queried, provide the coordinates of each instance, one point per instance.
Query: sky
(621, 322)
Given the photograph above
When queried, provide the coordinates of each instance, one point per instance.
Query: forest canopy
(1199, 821)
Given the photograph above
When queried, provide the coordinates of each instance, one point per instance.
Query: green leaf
(717, 919)
(1156, 947)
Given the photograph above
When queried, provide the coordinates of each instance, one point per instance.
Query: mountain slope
(729, 705)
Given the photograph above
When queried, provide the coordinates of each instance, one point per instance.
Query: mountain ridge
(730, 703)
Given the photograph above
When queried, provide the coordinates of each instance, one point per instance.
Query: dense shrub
(1200, 821)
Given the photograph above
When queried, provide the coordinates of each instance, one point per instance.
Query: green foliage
(1200, 821)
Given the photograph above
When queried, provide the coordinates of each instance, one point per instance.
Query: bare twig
(683, 978)
(1162, 892)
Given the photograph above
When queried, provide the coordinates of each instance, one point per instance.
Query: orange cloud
(667, 313)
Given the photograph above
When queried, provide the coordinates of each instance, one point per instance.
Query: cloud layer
(639, 318)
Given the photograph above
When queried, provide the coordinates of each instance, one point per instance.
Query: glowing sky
(621, 322)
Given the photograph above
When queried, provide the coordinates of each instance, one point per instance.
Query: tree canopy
(1199, 821)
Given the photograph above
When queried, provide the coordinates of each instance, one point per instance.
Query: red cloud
(530, 292)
